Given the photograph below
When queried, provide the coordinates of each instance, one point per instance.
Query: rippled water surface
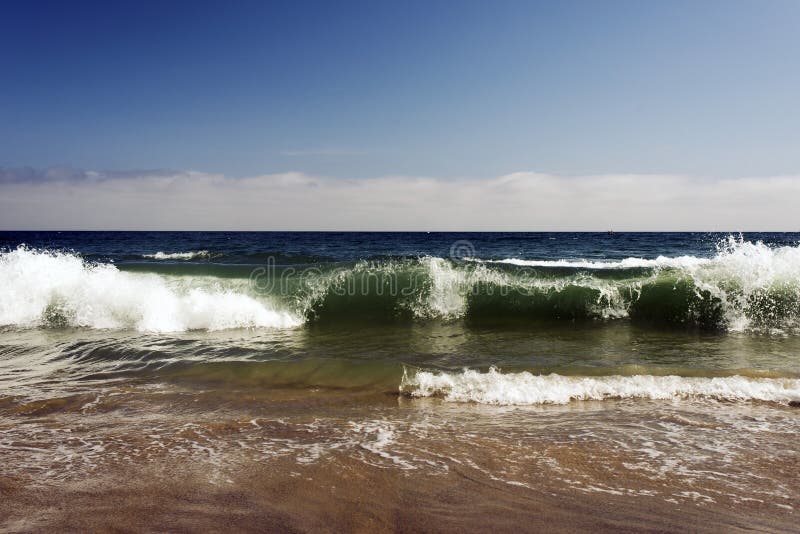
(644, 380)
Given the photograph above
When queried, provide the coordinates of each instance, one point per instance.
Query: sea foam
(60, 289)
(178, 255)
(626, 263)
(756, 286)
(524, 388)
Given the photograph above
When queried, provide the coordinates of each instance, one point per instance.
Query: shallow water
(636, 381)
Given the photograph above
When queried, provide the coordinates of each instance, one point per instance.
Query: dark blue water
(309, 247)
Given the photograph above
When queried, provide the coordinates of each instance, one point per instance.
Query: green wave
(751, 288)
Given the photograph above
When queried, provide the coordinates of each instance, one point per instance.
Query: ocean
(399, 381)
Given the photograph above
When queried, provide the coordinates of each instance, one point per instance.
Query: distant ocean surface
(656, 368)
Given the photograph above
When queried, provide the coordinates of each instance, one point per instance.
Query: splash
(60, 289)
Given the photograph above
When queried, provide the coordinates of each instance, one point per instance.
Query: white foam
(757, 285)
(178, 255)
(42, 287)
(753, 280)
(376, 437)
(494, 387)
(450, 287)
(446, 297)
(627, 263)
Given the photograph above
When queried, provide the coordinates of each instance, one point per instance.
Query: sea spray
(57, 289)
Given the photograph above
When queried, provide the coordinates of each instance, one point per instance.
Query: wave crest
(59, 289)
(744, 287)
(178, 255)
(524, 388)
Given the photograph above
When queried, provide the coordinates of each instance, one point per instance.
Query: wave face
(524, 388)
(744, 287)
(59, 289)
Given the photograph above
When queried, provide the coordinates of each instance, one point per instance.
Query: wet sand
(143, 459)
(339, 498)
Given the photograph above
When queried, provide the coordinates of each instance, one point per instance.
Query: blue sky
(559, 115)
(365, 89)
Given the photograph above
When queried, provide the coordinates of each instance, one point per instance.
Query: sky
(400, 115)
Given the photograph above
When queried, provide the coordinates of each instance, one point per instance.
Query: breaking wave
(524, 388)
(744, 287)
(58, 290)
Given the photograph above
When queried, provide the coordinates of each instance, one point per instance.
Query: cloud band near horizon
(67, 199)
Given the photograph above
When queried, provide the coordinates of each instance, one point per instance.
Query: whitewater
(525, 388)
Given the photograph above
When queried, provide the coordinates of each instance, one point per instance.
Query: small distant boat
(610, 231)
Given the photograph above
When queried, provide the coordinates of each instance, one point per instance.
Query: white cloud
(296, 201)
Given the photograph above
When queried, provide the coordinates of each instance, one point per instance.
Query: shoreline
(157, 498)
(329, 461)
